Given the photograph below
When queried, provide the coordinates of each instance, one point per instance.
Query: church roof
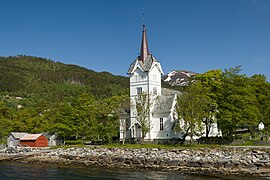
(164, 104)
(166, 92)
(145, 66)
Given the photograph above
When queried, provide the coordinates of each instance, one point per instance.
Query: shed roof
(30, 136)
(48, 135)
(18, 135)
(164, 104)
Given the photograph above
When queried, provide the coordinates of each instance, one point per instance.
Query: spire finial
(143, 19)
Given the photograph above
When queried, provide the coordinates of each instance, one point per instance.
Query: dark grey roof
(48, 135)
(18, 135)
(146, 66)
(164, 104)
(166, 92)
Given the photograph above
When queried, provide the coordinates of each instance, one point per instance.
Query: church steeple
(144, 47)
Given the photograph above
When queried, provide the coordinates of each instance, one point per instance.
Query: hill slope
(178, 78)
(46, 79)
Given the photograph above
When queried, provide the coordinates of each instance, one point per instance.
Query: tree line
(230, 99)
(83, 117)
(78, 103)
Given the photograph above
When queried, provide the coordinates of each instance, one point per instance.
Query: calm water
(11, 170)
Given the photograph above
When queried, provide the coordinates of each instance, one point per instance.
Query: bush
(73, 142)
(215, 140)
(246, 136)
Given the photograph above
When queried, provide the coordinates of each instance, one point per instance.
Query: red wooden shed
(34, 140)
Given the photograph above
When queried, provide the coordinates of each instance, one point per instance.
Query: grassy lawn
(138, 146)
(242, 140)
(159, 146)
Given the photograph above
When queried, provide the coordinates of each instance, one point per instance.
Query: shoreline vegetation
(218, 160)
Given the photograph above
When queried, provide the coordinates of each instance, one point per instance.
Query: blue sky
(105, 35)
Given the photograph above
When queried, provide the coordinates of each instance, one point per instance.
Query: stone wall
(231, 160)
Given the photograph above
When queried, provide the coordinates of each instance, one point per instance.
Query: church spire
(144, 47)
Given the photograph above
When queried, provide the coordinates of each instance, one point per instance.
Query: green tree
(238, 106)
(109, 115)
(261, 89)
(211, 85)
(86, 113)
(5, 122)
(143, 104)
(192, 109)
(62, 121)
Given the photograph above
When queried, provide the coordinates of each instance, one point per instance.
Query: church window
(155, 90)
(139, 90)
(161, 124)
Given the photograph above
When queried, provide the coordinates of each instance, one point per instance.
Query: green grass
(159, 146)
(138, 146)
(252, 142)
(255, 141)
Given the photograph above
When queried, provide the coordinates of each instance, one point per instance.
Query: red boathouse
(34, 140)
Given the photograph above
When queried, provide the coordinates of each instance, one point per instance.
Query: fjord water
(14, 170)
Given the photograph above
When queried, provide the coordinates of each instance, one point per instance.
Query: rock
(229, 165)
(251, 166)
(263, 161)
(222, 160)
(120, 159)
(264, 170)
(136, 161)
(173, 163)
(206, 165)
(236, 162)
(192, 164)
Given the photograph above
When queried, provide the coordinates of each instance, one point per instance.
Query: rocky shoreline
(223, 161)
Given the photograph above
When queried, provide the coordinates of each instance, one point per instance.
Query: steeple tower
(144, 47)
(145, 78)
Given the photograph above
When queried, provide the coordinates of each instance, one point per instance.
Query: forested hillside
(54, 81)
(40, 95)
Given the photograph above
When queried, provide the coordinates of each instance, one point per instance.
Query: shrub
(215, 140)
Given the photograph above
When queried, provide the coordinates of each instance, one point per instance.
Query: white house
(14, 138)
(145, 77)
(53, 139)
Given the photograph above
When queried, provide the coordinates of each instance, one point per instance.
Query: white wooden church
(145, 77)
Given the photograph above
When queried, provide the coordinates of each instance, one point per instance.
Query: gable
(156, 69)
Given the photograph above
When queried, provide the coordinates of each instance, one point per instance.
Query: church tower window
(139, 90)
(161, 124)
